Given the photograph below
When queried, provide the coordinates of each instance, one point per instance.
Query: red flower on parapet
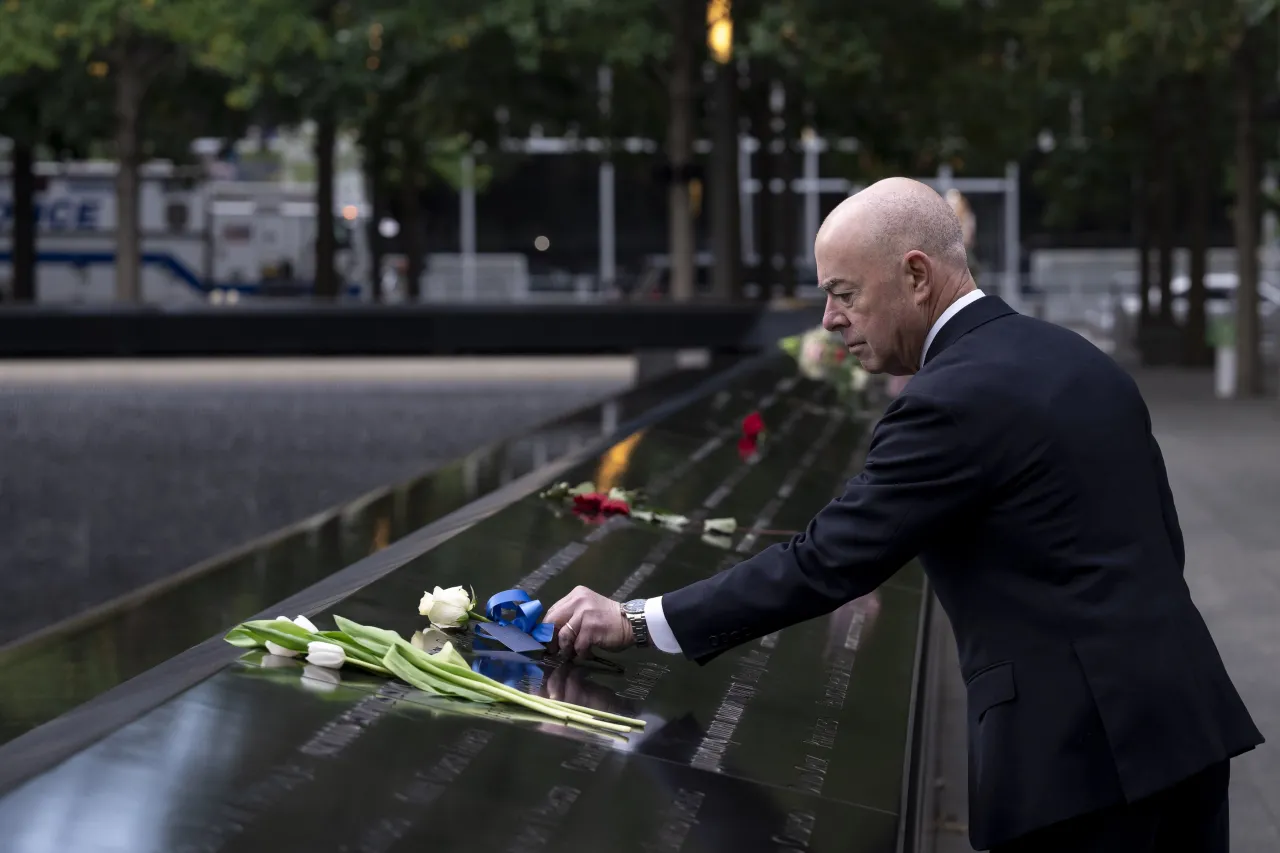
(747, 447)
(752, 426)
(615, 507)
(590, 502)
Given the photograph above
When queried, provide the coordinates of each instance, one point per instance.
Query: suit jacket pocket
(990, 687)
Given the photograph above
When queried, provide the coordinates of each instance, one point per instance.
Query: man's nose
(832, 319)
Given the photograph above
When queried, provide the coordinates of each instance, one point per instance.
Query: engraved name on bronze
(795, 834)
(640, 681)
(823, 733)
(423, 789)
(715, 743)
(813, 773)
(338, 734)
(676, 821)
(587, 759)
(539, 823)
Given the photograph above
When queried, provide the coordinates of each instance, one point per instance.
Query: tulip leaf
(243, 638)
(436, 670)
(407, 666)
(407, 672)
(295, 640)
(359, 633)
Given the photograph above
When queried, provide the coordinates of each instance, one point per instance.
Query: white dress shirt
(660, 633)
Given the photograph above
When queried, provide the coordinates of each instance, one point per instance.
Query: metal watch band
(639, 627)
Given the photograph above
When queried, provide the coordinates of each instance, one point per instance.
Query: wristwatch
(634, 612)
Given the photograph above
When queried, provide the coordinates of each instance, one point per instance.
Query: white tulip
(305, 623)
(720, 525)
(279, 650)
(446, 608)
(327, 655)
(673, 522)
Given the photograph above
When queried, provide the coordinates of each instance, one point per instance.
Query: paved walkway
(1223, 459)
(1224, 466)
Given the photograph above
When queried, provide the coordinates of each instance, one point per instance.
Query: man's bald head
(892, 258)
(895, 216)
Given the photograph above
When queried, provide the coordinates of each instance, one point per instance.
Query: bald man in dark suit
(1019, 464)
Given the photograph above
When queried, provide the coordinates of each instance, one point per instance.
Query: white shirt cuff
(660, 633)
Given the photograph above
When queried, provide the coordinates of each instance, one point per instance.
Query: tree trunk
(680, 242)
(765, 171)
(130, 90)
(411, 236)
(1196, 351)
(726, 219)
(1248, 351)
(1164, 204)
(788, 220)
(24, 221)
(326, 284)
(1142, 238)
(374, 161)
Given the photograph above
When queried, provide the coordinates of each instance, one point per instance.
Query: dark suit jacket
(1020, 466)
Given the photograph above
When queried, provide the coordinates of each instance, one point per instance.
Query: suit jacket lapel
(972, 316)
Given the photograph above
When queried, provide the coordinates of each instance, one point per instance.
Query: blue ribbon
(514, 608)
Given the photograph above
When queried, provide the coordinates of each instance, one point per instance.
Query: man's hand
(584, 619)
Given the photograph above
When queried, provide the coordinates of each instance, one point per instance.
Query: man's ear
(918, 269)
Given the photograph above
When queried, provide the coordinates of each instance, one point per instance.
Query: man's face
(871, 302)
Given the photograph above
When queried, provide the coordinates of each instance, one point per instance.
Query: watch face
(636, 605)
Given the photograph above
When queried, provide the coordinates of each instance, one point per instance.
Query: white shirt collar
(952, 310)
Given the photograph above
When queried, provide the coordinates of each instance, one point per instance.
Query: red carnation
(590, 502)
(752, 426)
(615, 507)
(747, 447)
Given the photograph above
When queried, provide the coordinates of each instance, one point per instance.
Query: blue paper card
(511, 637)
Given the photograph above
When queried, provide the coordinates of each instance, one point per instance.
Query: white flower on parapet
(279, 650)
(859, 378)
(813, 349)
(327, 655)
(446, 608)
(725, 526)
(672, 522)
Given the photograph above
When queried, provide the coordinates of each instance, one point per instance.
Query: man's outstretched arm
(922, 473)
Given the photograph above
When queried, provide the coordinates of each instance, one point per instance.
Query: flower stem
(479, 617)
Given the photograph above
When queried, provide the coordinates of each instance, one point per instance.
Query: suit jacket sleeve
(920, 473)
(1167, 508)
(1168, 511)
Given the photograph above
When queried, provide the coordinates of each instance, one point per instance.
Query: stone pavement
(1223, 459)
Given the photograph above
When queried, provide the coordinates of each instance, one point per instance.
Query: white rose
(446, 608)
(328, 655)
(281, 651)
(724, 526)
